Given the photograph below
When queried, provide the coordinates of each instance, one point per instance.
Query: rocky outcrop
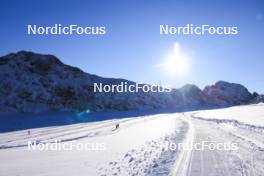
(228, 94)
(33, 82)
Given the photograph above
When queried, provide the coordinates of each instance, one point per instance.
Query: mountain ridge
(33, 82)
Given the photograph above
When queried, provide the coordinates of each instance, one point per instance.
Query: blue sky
(133, 45)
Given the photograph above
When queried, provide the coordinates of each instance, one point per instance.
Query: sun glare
(175, 63)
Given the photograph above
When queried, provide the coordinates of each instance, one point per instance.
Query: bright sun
(175, 63)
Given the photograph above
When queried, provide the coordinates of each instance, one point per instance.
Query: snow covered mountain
(228, 94)
(33, 82)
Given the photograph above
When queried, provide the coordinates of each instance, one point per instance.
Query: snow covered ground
(249, 114)
(131, 149)
(137, 147)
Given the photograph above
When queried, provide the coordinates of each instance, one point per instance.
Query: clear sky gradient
(133, 46)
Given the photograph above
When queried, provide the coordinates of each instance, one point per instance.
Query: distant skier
(28, 132)
(117, 126)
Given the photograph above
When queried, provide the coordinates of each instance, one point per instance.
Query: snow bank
(249, 114)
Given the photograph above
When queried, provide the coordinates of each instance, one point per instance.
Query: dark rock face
(33, 82)
(193, 96)
(258, 99)
(228, 94)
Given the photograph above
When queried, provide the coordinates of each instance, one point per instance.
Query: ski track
(184, 157)
(68, 133)
(242, 162)
(68, 129)
(150, 160)
(153, 160)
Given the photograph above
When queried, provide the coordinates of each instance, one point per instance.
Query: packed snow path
(132, 149)
(137, 147)
(248, 159)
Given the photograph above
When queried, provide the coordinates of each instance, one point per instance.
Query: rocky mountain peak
(226, 94)
(32, 82)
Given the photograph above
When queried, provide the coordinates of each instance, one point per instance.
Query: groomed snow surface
(252, 115)
(137, 147)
